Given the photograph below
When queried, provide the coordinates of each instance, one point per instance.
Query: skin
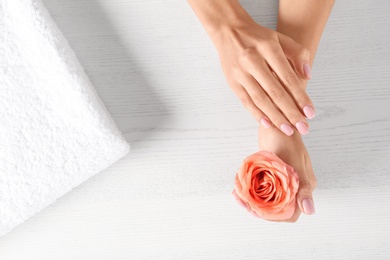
(292, 151)
(245, 48)
(304, 21)
(256, 63)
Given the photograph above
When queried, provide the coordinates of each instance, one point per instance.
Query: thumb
(305, 197)
(297, 55)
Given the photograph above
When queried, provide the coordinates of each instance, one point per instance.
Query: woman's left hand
(292, 151)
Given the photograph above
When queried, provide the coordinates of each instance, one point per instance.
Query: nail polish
(307, 70)
(309, 112)
(287, 129)
(308, 206)
(302, 127)
(265, 122)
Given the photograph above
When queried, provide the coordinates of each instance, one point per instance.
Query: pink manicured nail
(287, 129)
(265, 122)
(309, 112)
(307, 70)
(308, 206)
(302, 127)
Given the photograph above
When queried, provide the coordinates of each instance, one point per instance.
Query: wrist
(229, 30)
(233, 19)
(220, 17)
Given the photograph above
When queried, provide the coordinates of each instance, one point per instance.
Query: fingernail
(302, 127)
(308, 206)
(287, 129)
(309, 112)
(265, 122)
(307, 70)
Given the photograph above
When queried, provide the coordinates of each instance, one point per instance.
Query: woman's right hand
(267, 71)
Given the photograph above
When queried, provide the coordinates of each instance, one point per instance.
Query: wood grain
(158, 74)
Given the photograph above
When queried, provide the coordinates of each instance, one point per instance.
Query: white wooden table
(170, 198)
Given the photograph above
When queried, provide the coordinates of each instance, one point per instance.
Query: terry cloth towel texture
(55, 132)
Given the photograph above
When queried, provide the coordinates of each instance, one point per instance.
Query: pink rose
(266, 186)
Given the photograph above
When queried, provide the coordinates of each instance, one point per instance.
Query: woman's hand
(256, 63)
(264, 68)
(292, 151)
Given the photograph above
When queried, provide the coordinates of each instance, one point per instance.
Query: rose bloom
(267, 186)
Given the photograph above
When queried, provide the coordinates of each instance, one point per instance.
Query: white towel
(55, 132)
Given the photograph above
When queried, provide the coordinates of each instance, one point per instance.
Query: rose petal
(255, 214)
(283, 214)
(267, 185)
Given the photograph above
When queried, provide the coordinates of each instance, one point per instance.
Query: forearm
(304, 21)
(259, 64)
(218, 15)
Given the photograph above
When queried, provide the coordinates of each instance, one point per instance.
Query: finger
(279, 96)
(310, 173)
(296, 214)
(247, 102)
(293, 218)
(289, 79)
(305, 197)
(297, 54)
(305, 191)
(263, 102)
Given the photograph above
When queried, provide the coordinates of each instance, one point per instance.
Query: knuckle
(314, 183)
(245, 101)
(248, 54)
(276, 93)
(305, 185)
(271, 45)
(305, 52)
(291, 80)
(302, 98)
(236, 71)
(258, 99)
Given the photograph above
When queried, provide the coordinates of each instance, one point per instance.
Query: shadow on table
(119, 80)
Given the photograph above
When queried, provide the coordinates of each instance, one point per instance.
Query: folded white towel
(54, 130)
